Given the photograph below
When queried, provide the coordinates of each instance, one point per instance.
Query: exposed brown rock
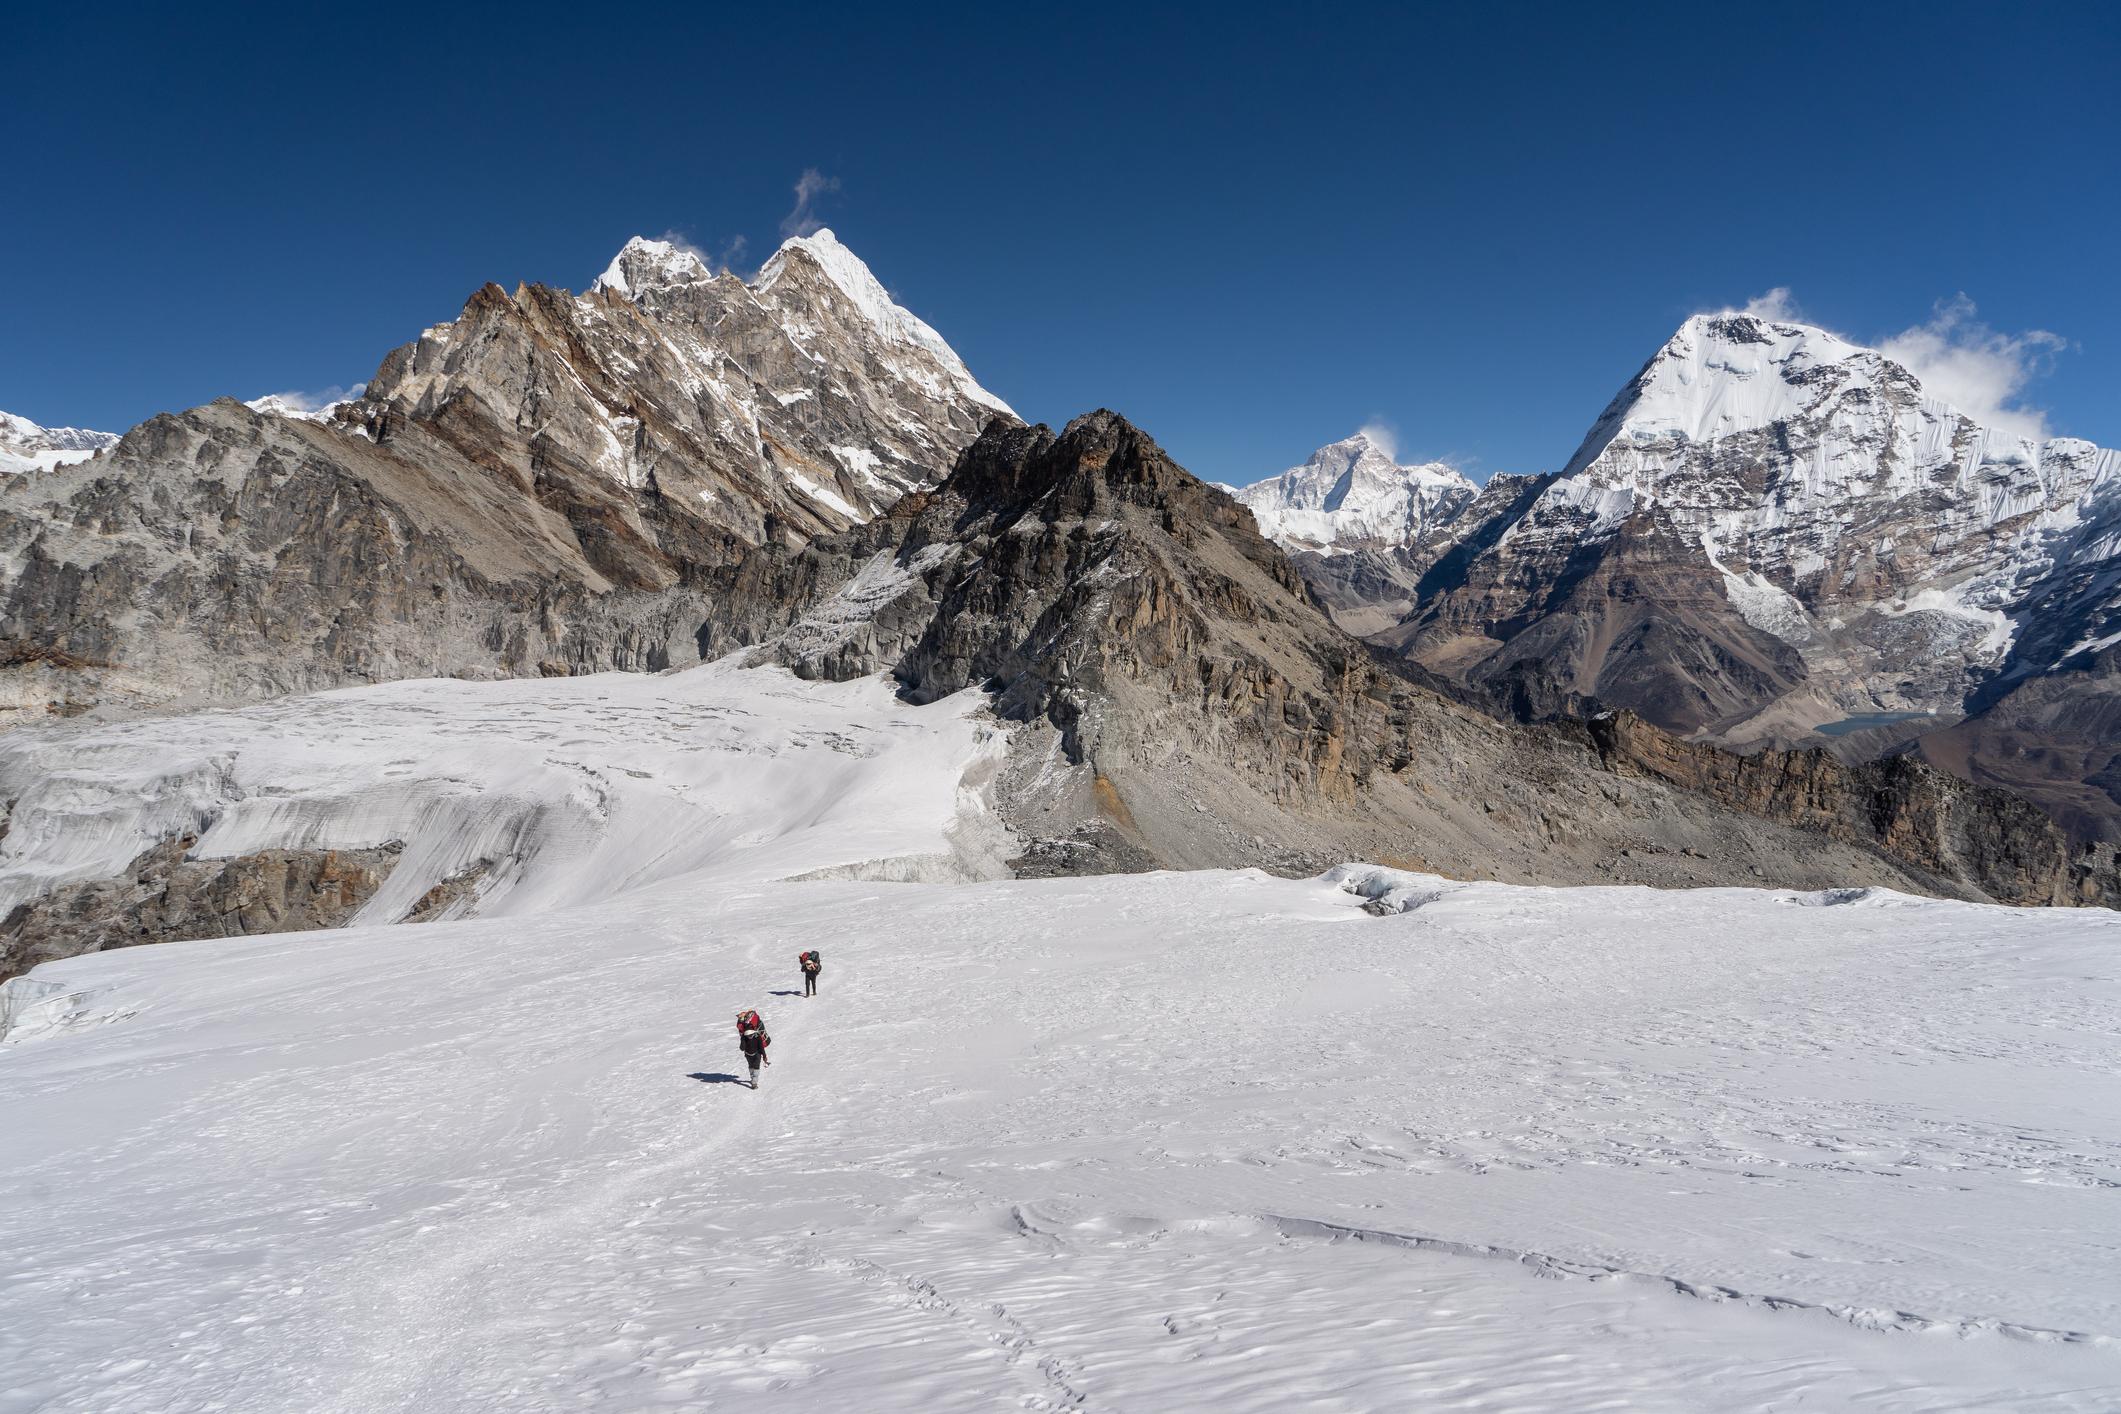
(1899, 805)
(164, 896)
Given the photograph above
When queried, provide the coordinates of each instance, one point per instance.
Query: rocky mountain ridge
(1178, 700)
(549, 483)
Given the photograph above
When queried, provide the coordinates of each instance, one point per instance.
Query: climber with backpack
(812, 964)
(752, 1039)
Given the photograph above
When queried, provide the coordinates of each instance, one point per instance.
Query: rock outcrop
(1899, 805)
(2054, 739)
(165, 897)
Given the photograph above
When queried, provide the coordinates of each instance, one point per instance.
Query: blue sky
(1250, 231)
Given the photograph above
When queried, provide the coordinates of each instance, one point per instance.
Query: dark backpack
(812, 961)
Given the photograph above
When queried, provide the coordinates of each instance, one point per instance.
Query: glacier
(1212, 1139)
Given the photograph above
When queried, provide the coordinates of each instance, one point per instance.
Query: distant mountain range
(1772, 537)
(24, 446)
(1769, 532)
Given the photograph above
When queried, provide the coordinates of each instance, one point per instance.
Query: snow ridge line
(1869, 1318)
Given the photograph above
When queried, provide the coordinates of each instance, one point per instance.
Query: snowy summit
(643, 264)
(1352, 495)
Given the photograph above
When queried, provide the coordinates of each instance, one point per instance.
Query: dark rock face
(1899, 805)
(2053, 739)
(164, 897)
(1061, 572)
(1639, 618)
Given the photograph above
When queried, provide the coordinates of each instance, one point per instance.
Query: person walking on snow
(752, 1039)
(812, 965)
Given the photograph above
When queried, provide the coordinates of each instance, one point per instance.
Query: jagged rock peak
(802, 260)
(809, 286)
(1351, 495)
(1096, 457)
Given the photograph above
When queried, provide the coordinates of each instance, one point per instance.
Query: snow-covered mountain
(805, 396)
(1771, 530)
(281, 405)
(550, 482)
(1824, 483)
(1350, 495)
(24, 446)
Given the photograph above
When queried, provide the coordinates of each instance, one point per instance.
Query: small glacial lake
(1864, 721)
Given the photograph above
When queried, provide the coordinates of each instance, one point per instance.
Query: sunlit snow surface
(1170, 1141)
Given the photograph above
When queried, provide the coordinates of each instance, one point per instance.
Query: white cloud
(1957, 358)
(1777, 304)
(802, 219)
(1976, 369)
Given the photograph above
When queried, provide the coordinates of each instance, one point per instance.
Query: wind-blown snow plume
(803, 220)
(1383, 436)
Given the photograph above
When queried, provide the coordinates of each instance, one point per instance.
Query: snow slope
(302, 408)
(1207, 1140)
(1350, 495)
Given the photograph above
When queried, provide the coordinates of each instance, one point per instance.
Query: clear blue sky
(1249, 232)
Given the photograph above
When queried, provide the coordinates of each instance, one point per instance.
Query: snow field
(1153, 1142)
